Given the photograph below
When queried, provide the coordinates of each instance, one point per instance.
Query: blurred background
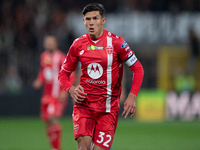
(163, 33)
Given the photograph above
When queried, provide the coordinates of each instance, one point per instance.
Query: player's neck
(51, 52)
(97, 36)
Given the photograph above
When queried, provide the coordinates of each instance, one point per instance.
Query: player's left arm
(129, 104)
(133, 63)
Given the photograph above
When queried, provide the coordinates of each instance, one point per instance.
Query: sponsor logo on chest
(92, 47)
(95, 70)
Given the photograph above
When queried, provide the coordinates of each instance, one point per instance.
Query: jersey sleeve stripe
(65, 69)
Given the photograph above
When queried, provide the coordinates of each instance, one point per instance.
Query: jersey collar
(96, 40)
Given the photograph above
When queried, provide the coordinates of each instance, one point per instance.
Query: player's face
(94, 24)
(50, 44)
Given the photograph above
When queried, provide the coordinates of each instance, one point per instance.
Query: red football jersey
(50, 65)
(102, 69)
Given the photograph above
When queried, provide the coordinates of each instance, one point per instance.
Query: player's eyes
(89, 19)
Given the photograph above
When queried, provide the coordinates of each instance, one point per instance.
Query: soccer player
(96, 108)
(54, 98)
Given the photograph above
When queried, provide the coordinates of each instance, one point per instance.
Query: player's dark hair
(94, 7)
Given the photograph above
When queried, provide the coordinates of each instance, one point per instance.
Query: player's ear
(103, 20)
(84, 22)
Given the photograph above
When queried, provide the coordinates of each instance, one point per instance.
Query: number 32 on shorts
(102, 138)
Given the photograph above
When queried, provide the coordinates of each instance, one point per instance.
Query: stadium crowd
(24, 23)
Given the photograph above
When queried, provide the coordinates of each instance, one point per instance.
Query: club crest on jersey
(47, 60)
(109, 49)
(95, 70)
(124, 44)
(76, 128)
(92, 47)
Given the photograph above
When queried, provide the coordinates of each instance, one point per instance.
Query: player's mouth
(91, 29)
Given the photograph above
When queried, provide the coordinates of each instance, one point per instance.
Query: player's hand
(129, 105)
(37, 84)
(77, 93)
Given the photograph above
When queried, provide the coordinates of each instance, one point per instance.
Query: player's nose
(91, 22)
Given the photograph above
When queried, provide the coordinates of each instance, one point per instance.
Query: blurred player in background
(96, 108)
(54, 99)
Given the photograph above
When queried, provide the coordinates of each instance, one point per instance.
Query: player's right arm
(38, 82)
(69, 65)
(77, 93)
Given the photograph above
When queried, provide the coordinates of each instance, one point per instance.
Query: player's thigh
(43, 112)
(105, 130)
(60, 108)
(83, 122)
(51, 111)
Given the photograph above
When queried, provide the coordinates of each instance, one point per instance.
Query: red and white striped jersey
(50, 65)
(102, 69)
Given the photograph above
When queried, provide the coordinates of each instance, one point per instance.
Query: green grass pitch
(23, 133)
